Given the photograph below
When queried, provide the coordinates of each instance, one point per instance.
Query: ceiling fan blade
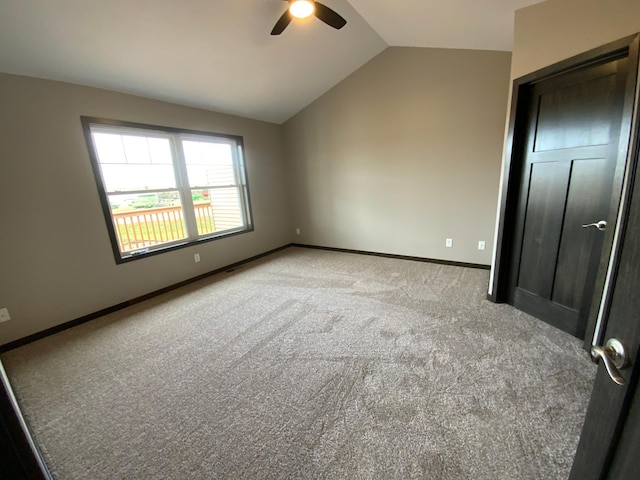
(329, 17)
(282, 23)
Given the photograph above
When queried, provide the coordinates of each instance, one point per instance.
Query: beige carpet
(309, 364)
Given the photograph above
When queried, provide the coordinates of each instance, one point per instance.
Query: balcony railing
(151, 226)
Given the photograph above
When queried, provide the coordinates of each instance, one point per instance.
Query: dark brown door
(570, 160)
(610, 442)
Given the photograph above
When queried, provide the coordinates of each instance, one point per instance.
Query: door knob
(601, 225)
(615, 358)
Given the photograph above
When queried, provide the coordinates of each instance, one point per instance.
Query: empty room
(351, 239)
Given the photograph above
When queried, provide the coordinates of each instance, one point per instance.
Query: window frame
(181, 178)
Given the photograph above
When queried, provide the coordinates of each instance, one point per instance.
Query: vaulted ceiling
(218, 54)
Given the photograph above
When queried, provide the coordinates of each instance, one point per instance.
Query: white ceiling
(218, 54)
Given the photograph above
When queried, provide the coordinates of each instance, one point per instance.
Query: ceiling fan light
(301, 8)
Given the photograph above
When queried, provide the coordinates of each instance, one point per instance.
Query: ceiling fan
(304, 9)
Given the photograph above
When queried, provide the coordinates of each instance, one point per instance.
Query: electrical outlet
(196, 257)
(297, 231)
(4, 315)
(449, 242)
(481, 245)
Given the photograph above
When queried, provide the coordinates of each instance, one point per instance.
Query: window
(164, 188)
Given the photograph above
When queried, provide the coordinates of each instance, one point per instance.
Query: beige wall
(56, 262)
(555, 30)
(403, 154)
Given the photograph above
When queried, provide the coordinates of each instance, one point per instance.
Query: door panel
(570, 159)
(542, 227)
(626, 461)
(565, 120)
(577, 244)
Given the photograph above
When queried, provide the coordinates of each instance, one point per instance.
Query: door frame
(514, 163)
(21, 457)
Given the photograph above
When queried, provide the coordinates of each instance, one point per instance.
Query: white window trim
(175, 137)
